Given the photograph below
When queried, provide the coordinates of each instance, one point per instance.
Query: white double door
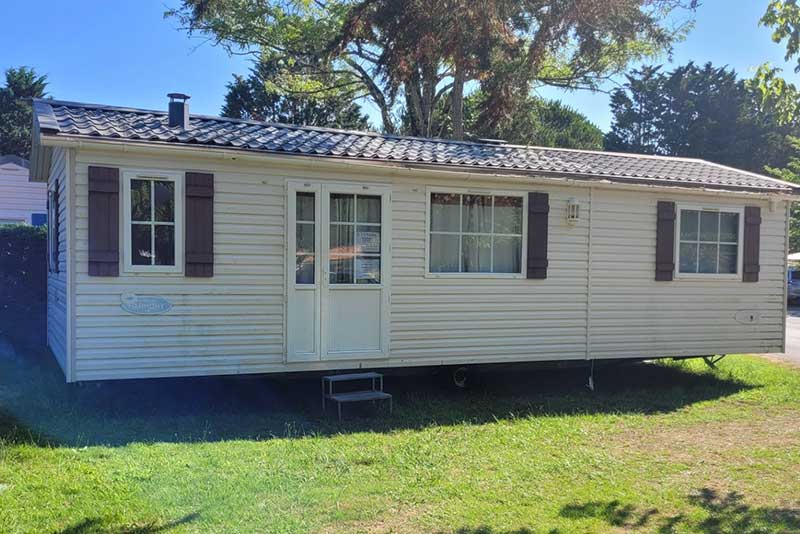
(337, 271)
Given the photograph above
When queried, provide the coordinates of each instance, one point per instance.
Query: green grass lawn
(673, 447)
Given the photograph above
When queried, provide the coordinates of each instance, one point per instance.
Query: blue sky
(124, 52)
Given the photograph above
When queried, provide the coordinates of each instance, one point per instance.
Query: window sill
(473, 276)
(708, 277)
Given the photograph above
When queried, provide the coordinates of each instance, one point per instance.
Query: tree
(783, 16)
(703, 112)
(791, 173)
(22, 84)
(407, 55)
(256, 97)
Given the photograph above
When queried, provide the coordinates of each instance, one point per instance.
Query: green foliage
(533, 121)
(783, 16)
(259, 97)
(23, 276)
(406, 56)
(791, 173)
(22, 84)
(703, 112)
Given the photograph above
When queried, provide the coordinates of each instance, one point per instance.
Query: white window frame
(463, 191)
(52, 219)
(739, 245)
(145, 174)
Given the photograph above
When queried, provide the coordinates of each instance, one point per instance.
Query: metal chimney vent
(178, 110)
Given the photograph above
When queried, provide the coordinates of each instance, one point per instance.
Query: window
(153, 222)
(305, 247)
(52, 229)
(355, 239)
(709, 241)
(38, 219)
(474, 233)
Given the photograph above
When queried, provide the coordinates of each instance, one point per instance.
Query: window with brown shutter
(103, 221)
(52, 227)
(752, 244)
(538, 214)
(665, 241)
(199, 224)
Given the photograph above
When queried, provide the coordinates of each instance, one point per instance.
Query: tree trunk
(414, 108)
(457, 104)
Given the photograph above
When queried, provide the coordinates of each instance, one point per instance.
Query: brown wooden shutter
(665, 241)
(53, 227)
(538, 213)
(752, 244)
(199, 224)
(103, 221)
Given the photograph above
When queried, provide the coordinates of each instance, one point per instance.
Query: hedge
(23, 279)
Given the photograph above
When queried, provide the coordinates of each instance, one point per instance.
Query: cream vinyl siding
(234, 322)
(57, 281)
(632, 315)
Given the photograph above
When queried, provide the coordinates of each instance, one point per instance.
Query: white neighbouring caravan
(191, 245)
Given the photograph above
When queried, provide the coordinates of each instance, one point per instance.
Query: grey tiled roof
(107, 122)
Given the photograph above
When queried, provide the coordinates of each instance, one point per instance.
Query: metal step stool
(375, 393)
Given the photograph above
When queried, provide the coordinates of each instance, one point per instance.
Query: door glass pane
(444, 253)
(304, 209)
(445, 212)
(507, 254)
(368, 239)
(341, 239)
(507, 215)
(729, 227)
(708, 256)
(689, 219)
(164, 201)
(728, 256)
(688, 255)
(140, 244)
(165, 245)
(477, 213)
(305, 238)
(341, 270)
(341, 207)
(304, 269)
(369, 209)
(709, 226)
(368, 270)
(476, 254)
(140, 200)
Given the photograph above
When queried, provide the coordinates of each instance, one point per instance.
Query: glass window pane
(341, 207)
(369, 209)
(164, 199)
(445, 212)
(729, 227)
(304, 208)
(688, 258)
(507, 254)
(444, 253)
(708, 256)
(304, 269)
(689, 225)
(477, 213)
(341, 239)
(140, 200)
(368, 270)
(728, 259)
(341, 270)
(476, 254)
(140, 244)
(305, 237)
(165, 245)
(368, 239)
(709, 226)
(507, 215)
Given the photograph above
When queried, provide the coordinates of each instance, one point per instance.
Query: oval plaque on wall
(144, 304)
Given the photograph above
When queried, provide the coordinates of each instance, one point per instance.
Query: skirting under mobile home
(202, 246)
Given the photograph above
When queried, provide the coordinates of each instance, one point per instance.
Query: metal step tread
(352, 376)
(355, 396)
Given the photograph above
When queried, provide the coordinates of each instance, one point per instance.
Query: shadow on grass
(36, 406)
(98, 525)
(723, 514)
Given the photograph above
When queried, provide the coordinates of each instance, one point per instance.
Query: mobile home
(192, 245)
